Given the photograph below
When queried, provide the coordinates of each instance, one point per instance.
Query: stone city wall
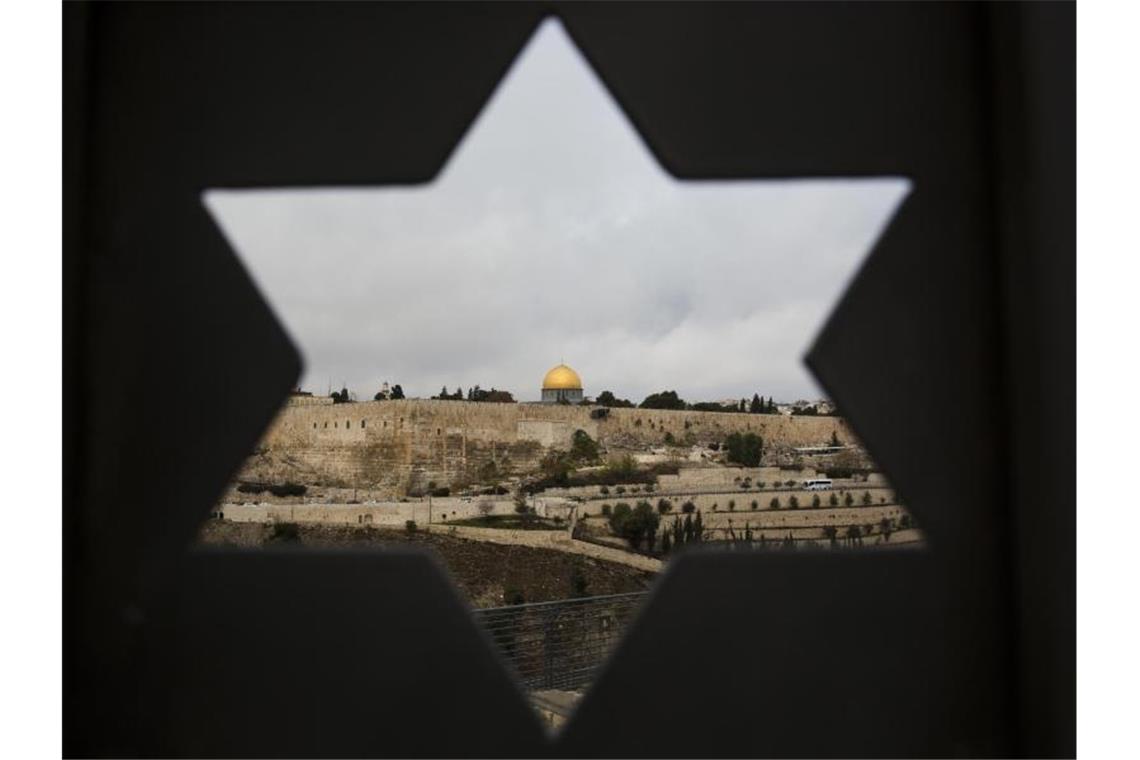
(402, 446)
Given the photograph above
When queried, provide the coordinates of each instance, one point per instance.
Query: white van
(818, 484)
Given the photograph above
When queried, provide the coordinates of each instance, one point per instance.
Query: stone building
(561, 384)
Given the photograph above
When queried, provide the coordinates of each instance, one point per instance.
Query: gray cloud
(553, 233)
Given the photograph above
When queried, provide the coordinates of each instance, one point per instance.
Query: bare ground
(484, 572)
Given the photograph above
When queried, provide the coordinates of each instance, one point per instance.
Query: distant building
(561, 385)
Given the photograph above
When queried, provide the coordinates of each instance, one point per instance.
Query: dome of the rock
(561, 384)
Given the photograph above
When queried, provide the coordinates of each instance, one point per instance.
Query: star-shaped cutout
(553, 232)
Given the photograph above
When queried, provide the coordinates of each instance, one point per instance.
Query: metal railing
(559, 645)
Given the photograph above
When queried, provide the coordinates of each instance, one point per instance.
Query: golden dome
(561, 378)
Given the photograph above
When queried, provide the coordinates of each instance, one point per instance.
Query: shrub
(410, 526)
(755, 505)
(607, 510)
(688, 507)
(789, 483)
(578, 582)
(882, 499)
(849, 500)
(664, 505)
(815, 502)
(793, 502)
(288, 489)
(648, 487)
(669, 439)
(760, 485)
(635, 489)
(285, 532)
(620, 490)
(277, 489)
(833, 500)
(604, 490)
(714, 506)
(774, 503)
(867, 498)
(731, 505)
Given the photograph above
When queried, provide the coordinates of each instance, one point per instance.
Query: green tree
(867, 498)
(583, 448)
(849, 499)
(744, 449)
(663, 400)
(833, 500)
(637, 526)
(774, 503)
(815, 502)
(618, 517)
(607, 398)
(793, 502)
(664, 505)
(755, 407)
(397, 392)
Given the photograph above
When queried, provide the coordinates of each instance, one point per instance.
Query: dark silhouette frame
(952, 353)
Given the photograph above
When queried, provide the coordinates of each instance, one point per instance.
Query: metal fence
(559, 645)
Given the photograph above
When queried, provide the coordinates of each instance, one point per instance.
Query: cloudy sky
(551, 234)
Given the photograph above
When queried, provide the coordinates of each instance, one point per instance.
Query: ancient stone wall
(403, 446)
